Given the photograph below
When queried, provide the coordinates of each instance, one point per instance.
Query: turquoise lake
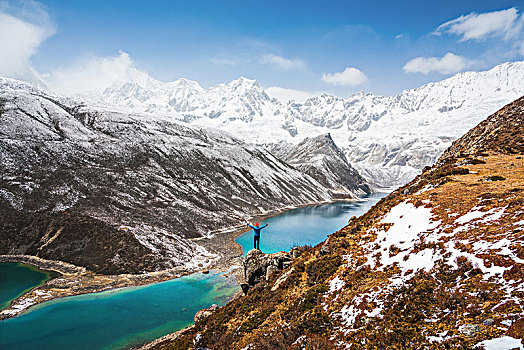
(127, 317)
(309, 225)
(17, 278)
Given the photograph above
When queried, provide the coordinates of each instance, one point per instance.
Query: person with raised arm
(256, 230)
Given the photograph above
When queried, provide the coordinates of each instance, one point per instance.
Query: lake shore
(76, 280)
(223, 242)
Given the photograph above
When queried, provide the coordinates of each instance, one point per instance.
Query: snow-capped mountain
(128, 192)
(389, 139)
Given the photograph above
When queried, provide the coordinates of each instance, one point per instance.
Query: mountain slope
(117, 192)
(320, 158)
(437, 264)
(389, 139)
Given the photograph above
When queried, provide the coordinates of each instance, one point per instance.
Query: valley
(112, 195)
(118, 193)
(437, 263)
(261, 175)
(136, 315)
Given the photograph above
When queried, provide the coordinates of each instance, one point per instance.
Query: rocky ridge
(439, 263)
(258, 266)
(320, 158)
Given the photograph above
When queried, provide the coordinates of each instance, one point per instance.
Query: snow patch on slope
(408, 222)
(502, 343)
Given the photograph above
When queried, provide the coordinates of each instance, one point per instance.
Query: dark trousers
(257, 242)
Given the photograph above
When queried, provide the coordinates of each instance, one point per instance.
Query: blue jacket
(257, 229)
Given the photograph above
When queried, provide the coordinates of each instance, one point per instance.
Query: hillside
(438, 264)
(388, 139)
(127, 192)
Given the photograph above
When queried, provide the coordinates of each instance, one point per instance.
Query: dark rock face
(118, 193)
(320, 158)
(259, 266)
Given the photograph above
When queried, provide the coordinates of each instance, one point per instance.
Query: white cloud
(25, 25)
(23, 29)
(286, 95)
(348, 77)
(282, 62)
(449, 63)
(95, 74)
(250, 58)
(479, 26)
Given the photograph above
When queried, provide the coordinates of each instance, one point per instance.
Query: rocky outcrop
(259, 266)
(205, 312)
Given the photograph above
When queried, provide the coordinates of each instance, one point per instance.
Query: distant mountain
(129, 192)
(437, 264)
(320, 158)
(388, 139)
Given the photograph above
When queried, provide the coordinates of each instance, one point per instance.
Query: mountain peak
(244, 82)
(188, 84)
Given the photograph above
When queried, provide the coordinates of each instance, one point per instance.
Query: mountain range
(157, 166)
(388, 139)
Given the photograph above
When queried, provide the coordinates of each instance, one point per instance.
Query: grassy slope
(481, 172)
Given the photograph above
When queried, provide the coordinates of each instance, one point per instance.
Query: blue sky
(337, 47)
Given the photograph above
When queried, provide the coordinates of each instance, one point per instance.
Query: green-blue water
(306, 225)
(132, 316)
(116, 318)
(16, 279)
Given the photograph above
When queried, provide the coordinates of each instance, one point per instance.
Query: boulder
(282, 278)
(488, 322)
(469, 330)
(205, 313)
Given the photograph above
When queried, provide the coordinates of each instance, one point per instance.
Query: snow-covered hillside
(127, 192)
(388, 139)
